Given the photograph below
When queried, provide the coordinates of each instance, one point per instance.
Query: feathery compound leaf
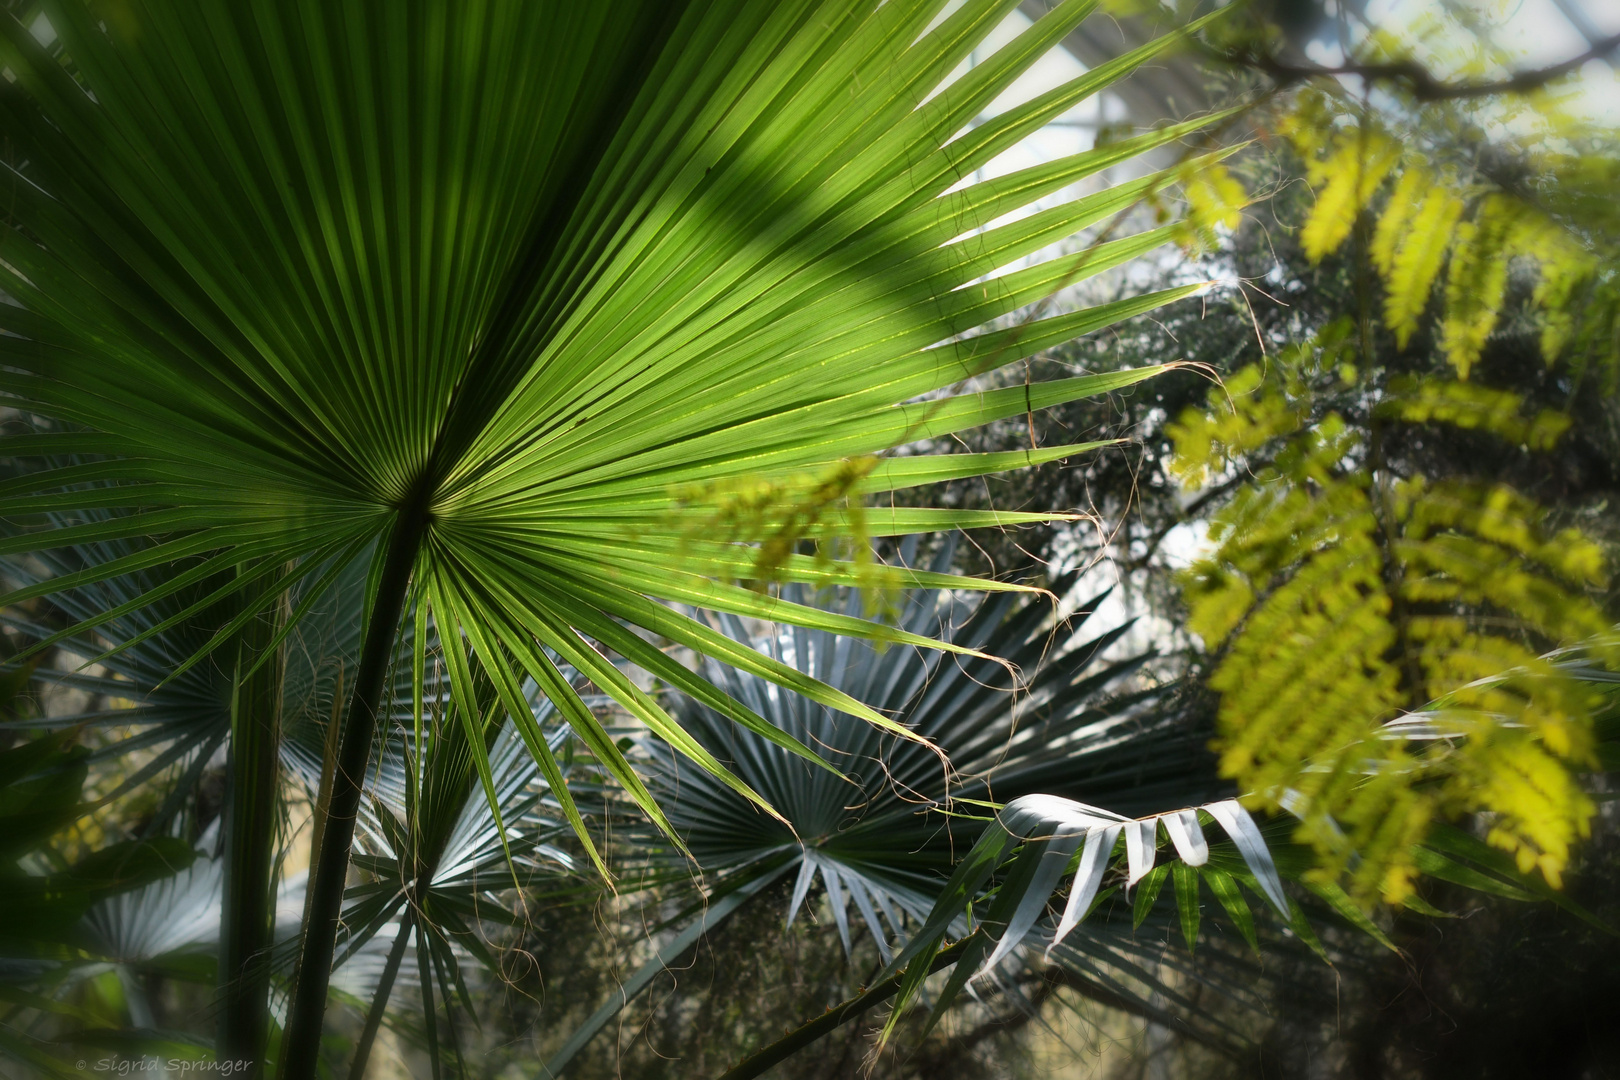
(1378, 671)
(1361, 159)
(1477, 280)
(1418, 256)
(1439, 209)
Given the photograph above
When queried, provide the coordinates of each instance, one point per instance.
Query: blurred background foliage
(1414, 294)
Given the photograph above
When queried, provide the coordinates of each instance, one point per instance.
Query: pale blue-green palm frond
(1036, 844)
(870, 838)
(877, 843)
(179, 715)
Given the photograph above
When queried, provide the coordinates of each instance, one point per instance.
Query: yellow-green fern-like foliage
(1381, 638)
(1442, 230)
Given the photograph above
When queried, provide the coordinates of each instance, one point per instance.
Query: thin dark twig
(1423, 85)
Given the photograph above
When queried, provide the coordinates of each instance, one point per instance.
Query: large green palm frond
(301, 278)
(491, 290)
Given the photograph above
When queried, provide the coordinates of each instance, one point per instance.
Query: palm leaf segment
(486, 291)
(436, 855)
(1047, 840)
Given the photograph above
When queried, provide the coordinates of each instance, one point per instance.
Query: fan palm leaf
(874, 837)
(486, 291)
(129, 668)
(1059, 714)
(440, 862)
(464, 865)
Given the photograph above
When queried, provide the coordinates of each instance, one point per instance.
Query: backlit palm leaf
(488, 288)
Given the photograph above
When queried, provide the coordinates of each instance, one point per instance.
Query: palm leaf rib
(488, 290)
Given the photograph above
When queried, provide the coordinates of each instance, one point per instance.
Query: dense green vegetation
(560, 540)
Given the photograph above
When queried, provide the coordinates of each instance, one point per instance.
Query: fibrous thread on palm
(1345, 595)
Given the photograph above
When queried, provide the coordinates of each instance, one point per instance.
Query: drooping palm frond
(490, 292)
(1052, 834)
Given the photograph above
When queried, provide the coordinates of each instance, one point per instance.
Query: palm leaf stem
(430, 1015)
(794, 1041)
(248, 910)
(379, 1002)
(307, 1009)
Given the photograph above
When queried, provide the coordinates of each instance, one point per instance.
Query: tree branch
(1418, 80)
